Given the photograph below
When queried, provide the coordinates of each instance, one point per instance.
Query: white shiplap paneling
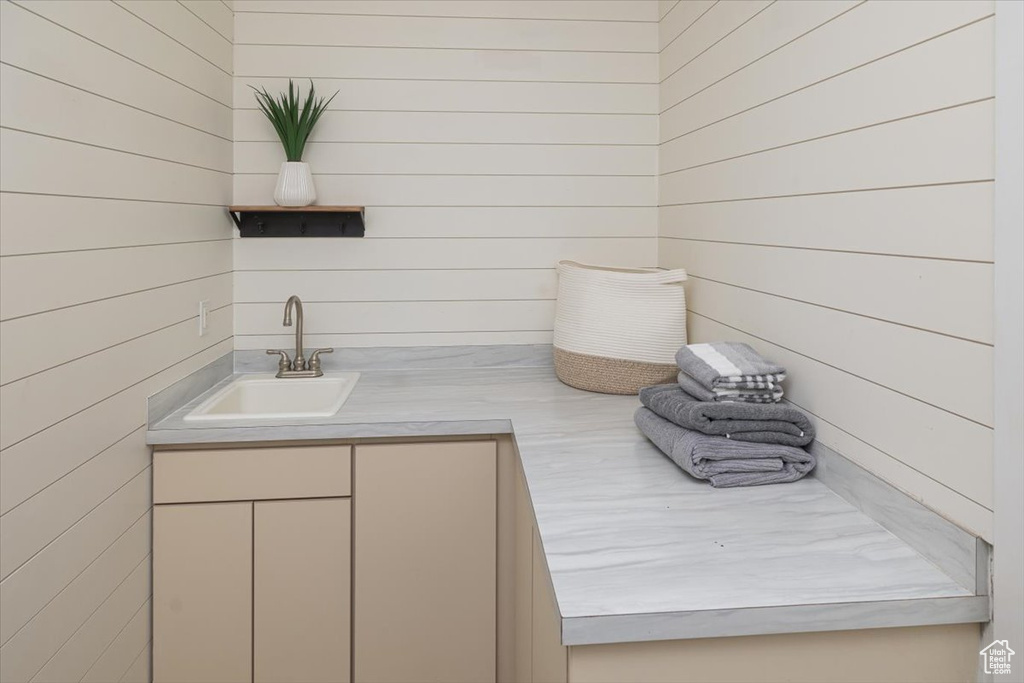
(520, 128)
(136, 223)
(41, 44)
(921, 221)
(105, 273)
(677, 18)
(835, 338)
(825, 177)
(829, 393)
(943, 147)
(502, 97)
(444, 33)
(437, 254)
(118, 29)
(559, 10)
(944, 72)
(112, 231)
(466, 190)
(719, 22)
(384, 158)
(487, 140)
(812, 42)
(450, 65)
(396, 285)
(916, 292)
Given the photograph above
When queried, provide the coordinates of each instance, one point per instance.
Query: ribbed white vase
(295, 185)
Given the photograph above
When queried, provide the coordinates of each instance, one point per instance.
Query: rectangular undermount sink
(261, 397)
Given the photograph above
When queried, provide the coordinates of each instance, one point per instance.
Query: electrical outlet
(204, 309)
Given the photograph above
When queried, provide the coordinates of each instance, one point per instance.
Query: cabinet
(425, 562)
(253, 590)
(202, 585)
(550, 663)
(271, 562)
(302, 563)
(540, 655)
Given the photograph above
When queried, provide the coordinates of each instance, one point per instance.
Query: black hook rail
(305, 221)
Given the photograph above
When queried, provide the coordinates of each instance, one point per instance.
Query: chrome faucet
(299, 367)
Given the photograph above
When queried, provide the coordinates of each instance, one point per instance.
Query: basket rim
(661, 275)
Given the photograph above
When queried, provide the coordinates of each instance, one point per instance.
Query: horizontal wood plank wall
(487, 139)
(825, 177)
(116, 126)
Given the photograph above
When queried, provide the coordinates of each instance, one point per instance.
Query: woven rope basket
(618, 329)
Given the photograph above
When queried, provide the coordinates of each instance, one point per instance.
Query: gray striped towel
(721, 394)
(728, 365)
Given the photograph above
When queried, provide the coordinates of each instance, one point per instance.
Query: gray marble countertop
(637, 549)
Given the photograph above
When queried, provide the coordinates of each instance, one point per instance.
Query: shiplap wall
(487, 139)
(825, 177)
(115, 126)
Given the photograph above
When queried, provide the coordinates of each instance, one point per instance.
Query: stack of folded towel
(729, 371)
(722, 421)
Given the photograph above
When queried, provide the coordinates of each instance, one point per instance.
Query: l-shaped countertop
(637, 549)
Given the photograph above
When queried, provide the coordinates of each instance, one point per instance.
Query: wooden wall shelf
(303, 221)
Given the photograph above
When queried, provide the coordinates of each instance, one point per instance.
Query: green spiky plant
(292, 117)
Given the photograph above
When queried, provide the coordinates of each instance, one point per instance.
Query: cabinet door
(524, 580)
(425, 562)
(302, 591)
(202, 593)
(550, 664)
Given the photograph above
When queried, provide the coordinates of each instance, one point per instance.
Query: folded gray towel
(722, 461)
(693, 388)
(768, 423)
(730, 365)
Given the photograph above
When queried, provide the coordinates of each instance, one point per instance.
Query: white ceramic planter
(295, 185)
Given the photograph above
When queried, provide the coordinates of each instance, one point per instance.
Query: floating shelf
(303, 221)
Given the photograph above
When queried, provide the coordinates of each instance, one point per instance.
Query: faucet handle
(314, 360)
(284, 364)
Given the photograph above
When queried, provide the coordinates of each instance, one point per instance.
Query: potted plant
(293, 119)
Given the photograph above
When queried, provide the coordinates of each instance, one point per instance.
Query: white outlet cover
(204, 308)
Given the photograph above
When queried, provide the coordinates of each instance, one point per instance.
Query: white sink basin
(261, 397)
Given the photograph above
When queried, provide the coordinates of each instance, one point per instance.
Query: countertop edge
(748, 621)
(312, 432)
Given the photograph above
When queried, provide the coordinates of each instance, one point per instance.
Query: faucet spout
(299, 362)
(299, 366)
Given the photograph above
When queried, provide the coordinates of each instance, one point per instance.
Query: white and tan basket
(618, 329)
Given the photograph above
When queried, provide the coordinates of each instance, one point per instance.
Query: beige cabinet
(425, 562)
(540, 655)
(271, 562)
(202, 590)
(302, 562)
(550, 663)
(254, 590)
